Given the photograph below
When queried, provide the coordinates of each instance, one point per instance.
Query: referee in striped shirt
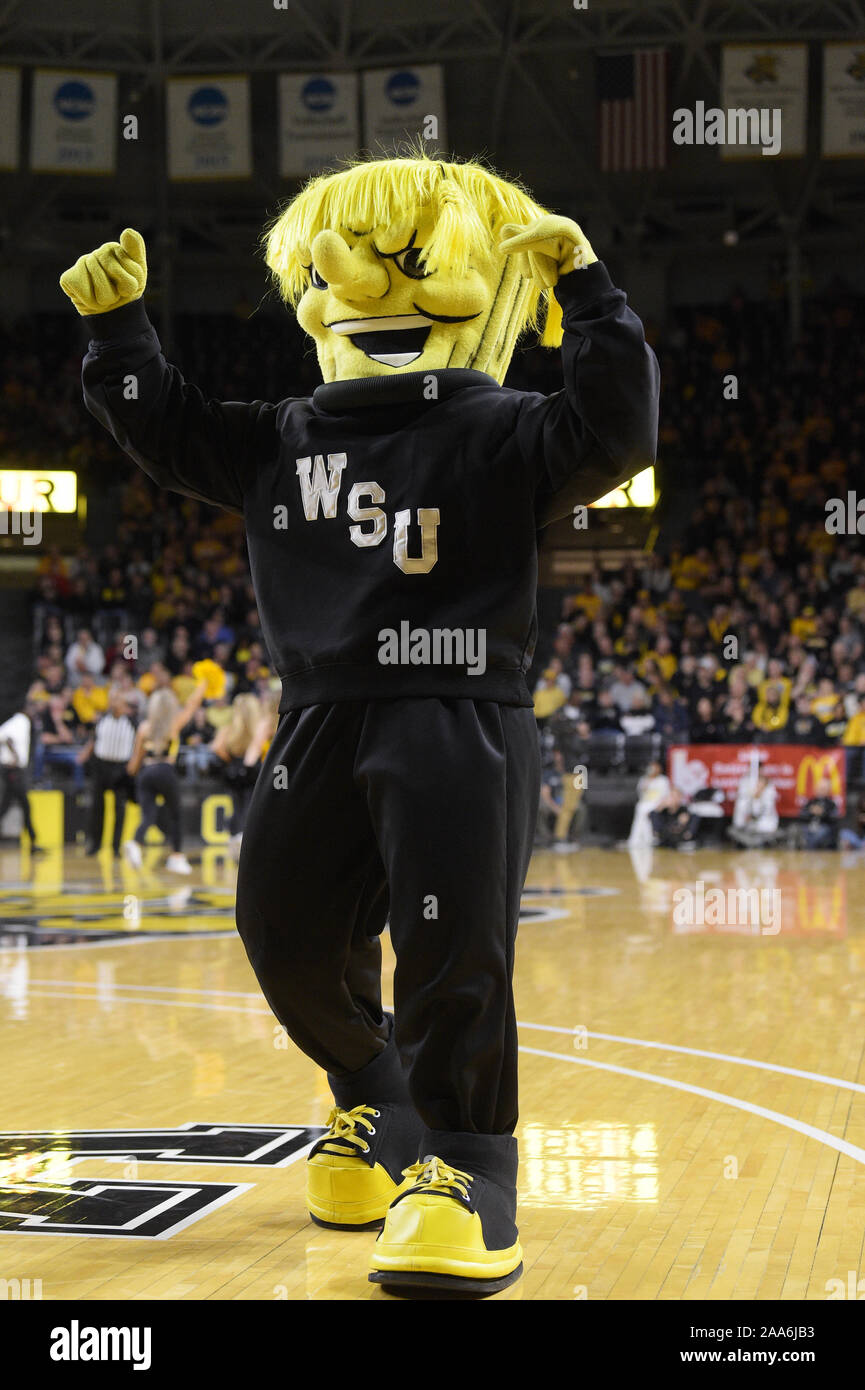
(109, 750)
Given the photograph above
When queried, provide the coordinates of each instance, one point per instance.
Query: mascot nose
(350, 274)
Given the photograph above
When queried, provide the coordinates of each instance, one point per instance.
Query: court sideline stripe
(810, 1131)
(701, 1052)
(161, 1003)
(817, 1076)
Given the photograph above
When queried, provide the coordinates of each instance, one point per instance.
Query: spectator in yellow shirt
(854, 734)
(692, 570)
(823, 704)
(718, 623)
(775, 679)
(853, 740)
(158, 677)
(805, 625)
(586, 600)
(89, 700)
(771, 714)
(549, 695)
(661, 655)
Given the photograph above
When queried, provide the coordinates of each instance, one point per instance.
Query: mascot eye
(410, 264)
(315, 279)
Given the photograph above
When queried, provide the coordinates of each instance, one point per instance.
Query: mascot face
(374, 308)
(393, 266)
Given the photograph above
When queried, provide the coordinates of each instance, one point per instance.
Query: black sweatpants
(159, 779)
(423, 811)
(15, 794)
(108, 776)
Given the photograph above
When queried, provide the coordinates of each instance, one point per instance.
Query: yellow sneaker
(448, 1230)
(353, 1171)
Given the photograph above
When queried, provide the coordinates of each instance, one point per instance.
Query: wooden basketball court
(693, 1087)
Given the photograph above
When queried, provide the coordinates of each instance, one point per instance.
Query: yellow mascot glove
(547, 248)
(114, 274)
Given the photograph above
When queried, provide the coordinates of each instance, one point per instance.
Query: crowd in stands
(748, 625)
(746, 652)
(136, 616)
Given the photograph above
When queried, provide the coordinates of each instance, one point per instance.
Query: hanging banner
(10, 116)
(843, 100)
(318, 121)
(403, 103)
(764, 96)
(73, 126)
(208, 128)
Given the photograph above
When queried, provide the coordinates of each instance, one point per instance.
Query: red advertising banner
(796, 769)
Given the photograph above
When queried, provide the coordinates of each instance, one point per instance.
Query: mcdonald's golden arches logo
(813, 768)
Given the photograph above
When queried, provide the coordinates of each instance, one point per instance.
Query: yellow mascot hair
(468, 202)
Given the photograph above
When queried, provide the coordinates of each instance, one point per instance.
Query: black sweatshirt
(413, 570)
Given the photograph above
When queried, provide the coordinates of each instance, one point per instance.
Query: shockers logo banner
(844, 100)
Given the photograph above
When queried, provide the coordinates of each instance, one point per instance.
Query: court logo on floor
(87, 1207)
(76, 914)
(37, 1195)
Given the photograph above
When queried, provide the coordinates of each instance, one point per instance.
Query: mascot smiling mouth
(394, 340)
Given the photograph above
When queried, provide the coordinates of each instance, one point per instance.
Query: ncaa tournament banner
(399, 103)
(795, 769)
(73, 122)
(318, 121)
(10, 116)
(208, 128)
(767, 77)
(844, 100)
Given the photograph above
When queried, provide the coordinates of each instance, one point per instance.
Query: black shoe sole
(344, 1226)
(408, 1284)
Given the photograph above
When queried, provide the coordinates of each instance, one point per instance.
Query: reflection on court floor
(693, 1089)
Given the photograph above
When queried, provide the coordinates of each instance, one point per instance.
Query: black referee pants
(108, 777)
(15, 794)
(423, 811)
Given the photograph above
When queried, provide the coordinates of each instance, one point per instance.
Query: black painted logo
(36, 1198)
(96, 1207)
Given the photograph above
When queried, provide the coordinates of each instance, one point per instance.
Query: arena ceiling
(189, 34)
(520, 89)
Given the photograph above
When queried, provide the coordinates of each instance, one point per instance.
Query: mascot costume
(392, 523)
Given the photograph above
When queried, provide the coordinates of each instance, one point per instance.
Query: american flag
(632, 110)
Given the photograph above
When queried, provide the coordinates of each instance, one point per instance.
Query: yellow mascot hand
(114, 274)
(547, 248)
